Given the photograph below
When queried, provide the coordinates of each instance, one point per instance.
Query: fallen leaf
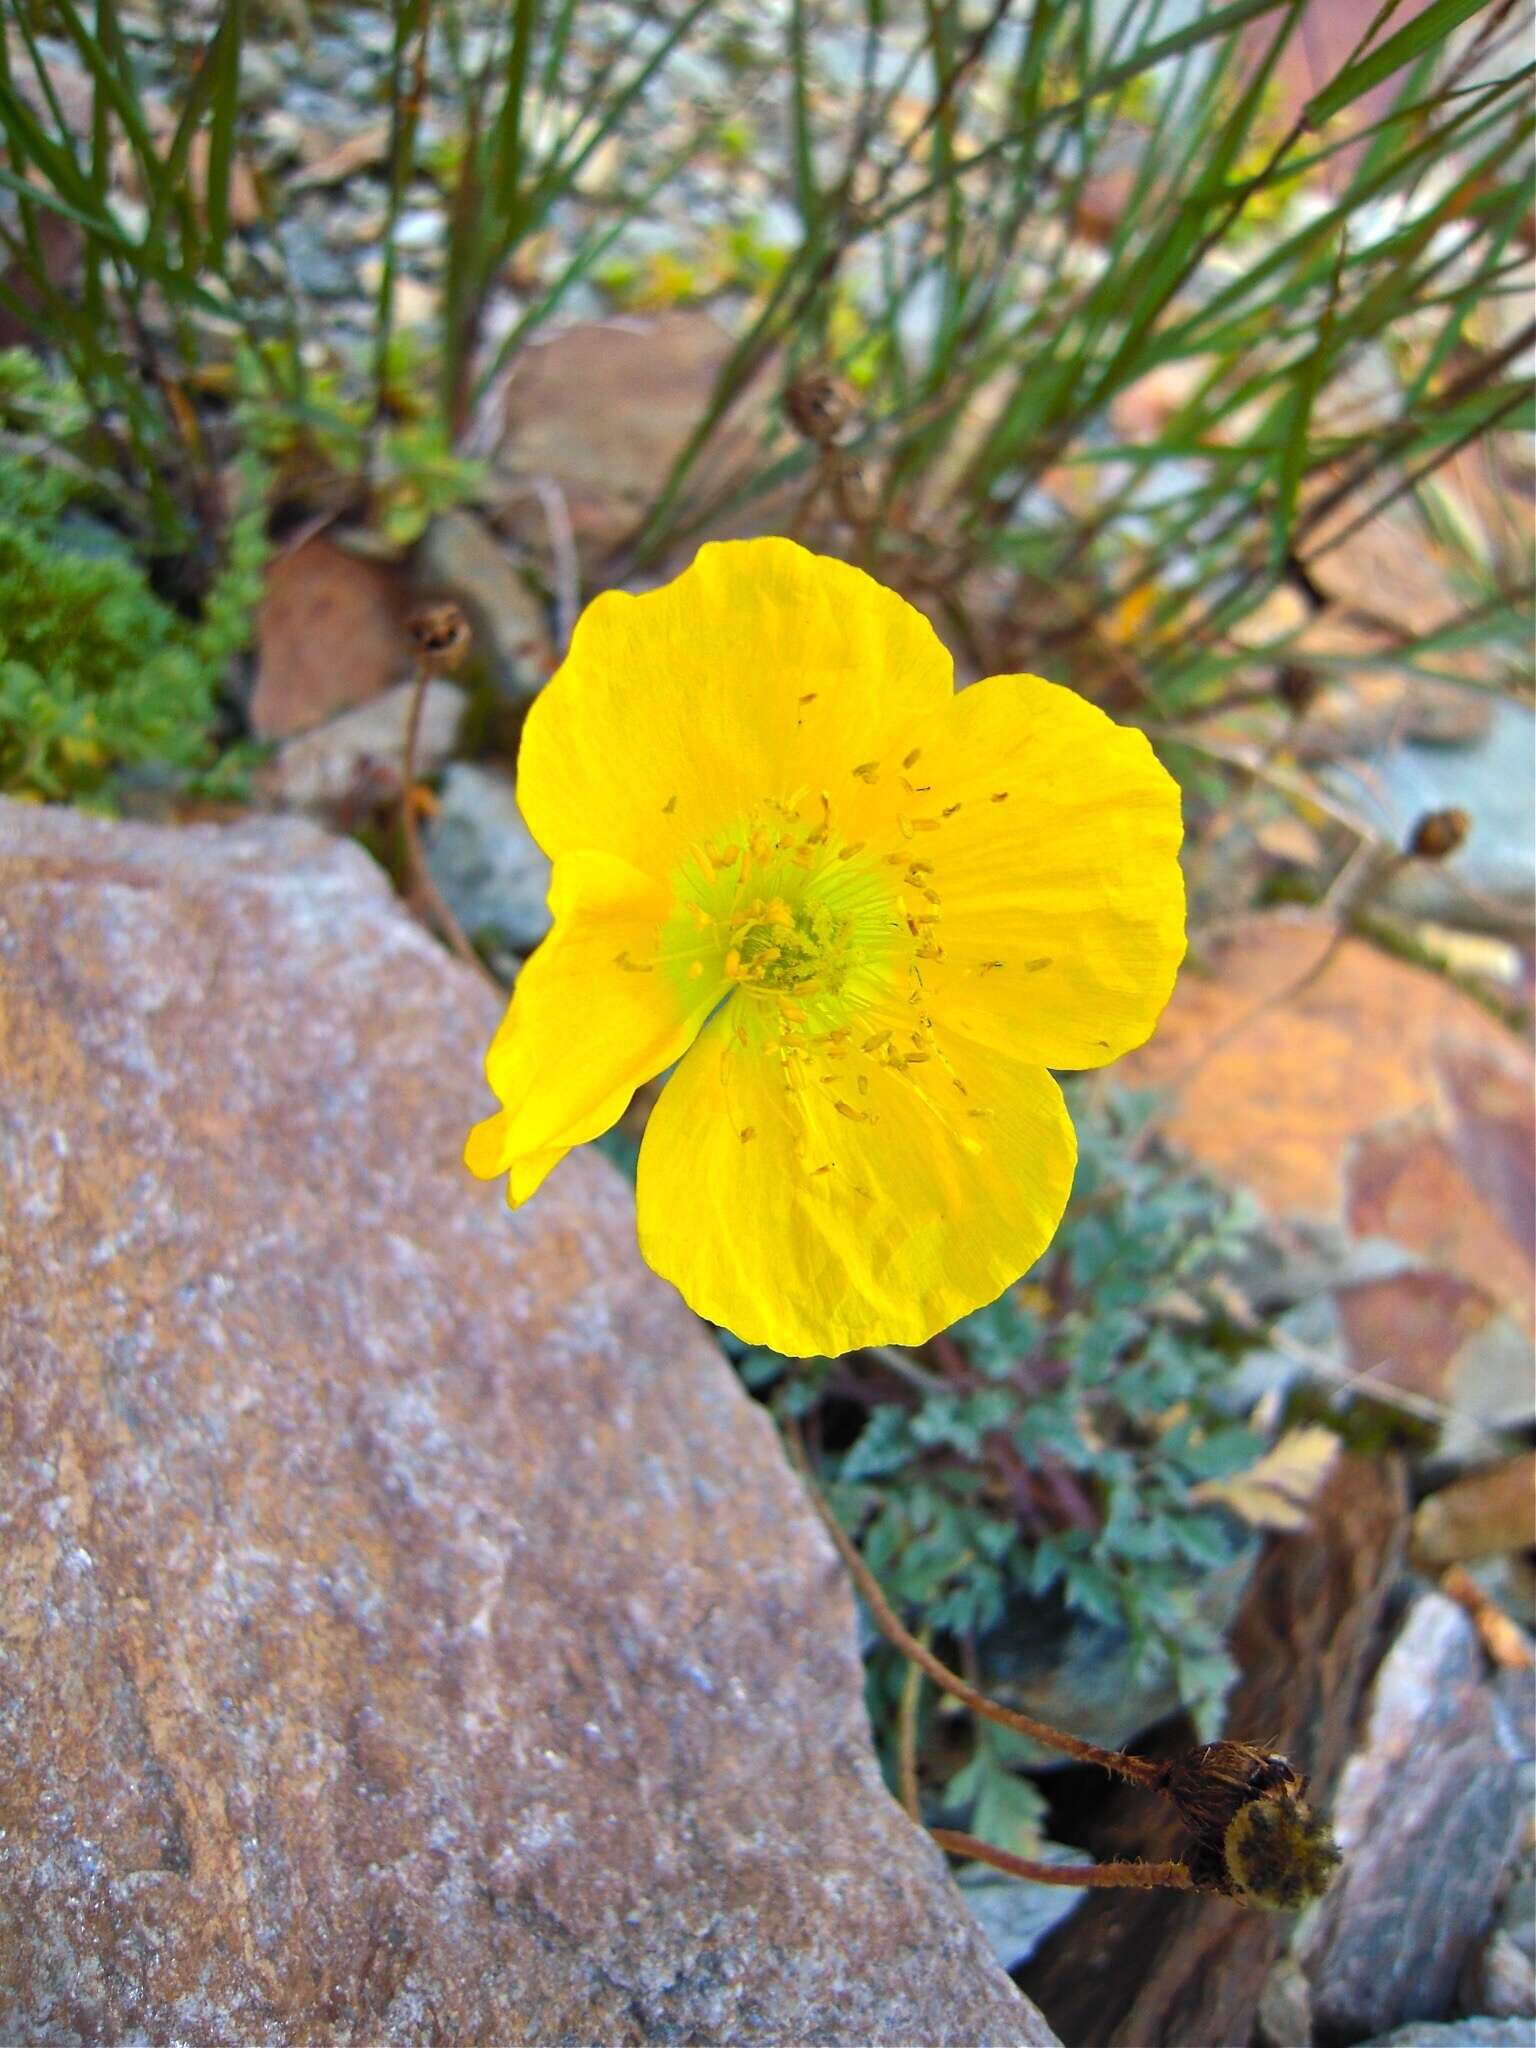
(1277, 1492)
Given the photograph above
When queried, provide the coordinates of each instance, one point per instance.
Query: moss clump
(96, 672)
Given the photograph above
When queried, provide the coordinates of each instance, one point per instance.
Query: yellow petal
(1061, 898)
(763, 670)
(591, 1017)
(849, 1215)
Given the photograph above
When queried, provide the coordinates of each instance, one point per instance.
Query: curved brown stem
(417, 872)
(1134, 1768)
(1175, 1877)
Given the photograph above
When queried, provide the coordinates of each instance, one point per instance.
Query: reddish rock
(409, 1632)
(330, 633)
(1362, 1098)
(603, 410)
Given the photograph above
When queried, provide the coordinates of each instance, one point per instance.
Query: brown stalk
(1137, 1770)
(1142, 1876)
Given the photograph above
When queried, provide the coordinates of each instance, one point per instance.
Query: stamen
(670, 805)
(848, 852)
(999, 796)
(867, 771)
(950, 810)
(747, 1133)
(854, 1116)
(989, 966)
(910, 760)
(631, 966)
(696, 971)
(925, 824)
(809, 697)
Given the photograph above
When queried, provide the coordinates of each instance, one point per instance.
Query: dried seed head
(1438, 834)
(1255, 1837)
(818, 406)
(1297, 688)
(1280, 1854)
(441, 636)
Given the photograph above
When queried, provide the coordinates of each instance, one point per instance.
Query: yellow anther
(956, 1082)
(863, 1084)
(910, 760)
(847, 852)
(989, 966)
(854, 1116)
(818, 1171)
(867, 771)
(778, 912)
(696, 971)
(925, 824)
(930, 952)
(874, 1044)
(905, 824)
(809, 697)
(1034, 966)
(999, 796)
(841, 1035)
(791, 1010)
(915, 1059)
(949, 810)
(916, 788)
(724, 856)
(670, 805)
(700, 916)
(733, 965)
(920, 867)
(747, 1133)
(631, 966)
(762, 845)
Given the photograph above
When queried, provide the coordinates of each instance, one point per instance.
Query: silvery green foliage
(1054, 1476)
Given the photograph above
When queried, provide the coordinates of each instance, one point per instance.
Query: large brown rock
(1364, 1100)
(409, 1632)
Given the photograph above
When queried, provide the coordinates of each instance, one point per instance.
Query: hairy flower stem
(1139, 1876)
(1137, 1770)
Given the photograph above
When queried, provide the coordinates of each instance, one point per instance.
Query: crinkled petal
(582, 1031)
(820, 1232)
(1062, 901)
(758, 672)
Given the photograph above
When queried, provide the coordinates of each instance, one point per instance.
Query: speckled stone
(409, 1631)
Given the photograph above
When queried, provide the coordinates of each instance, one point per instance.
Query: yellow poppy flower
(863, 914)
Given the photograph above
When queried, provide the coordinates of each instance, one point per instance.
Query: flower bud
(1438, 834)
(818, 406)
(441, 636)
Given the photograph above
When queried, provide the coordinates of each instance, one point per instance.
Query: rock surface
(330, 634)
(359, 758)
(459, 558)
(1384, 1121)
(410, 1633)
(1429, 1816)
(492, 872)
(656, 375)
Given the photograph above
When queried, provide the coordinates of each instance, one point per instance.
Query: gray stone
(1428, 1815)
(1489, 882)
(410, 1632)
(1473, 2033)
(458, 557)
(1014, 1914)
(485, 860)
(360, 755)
